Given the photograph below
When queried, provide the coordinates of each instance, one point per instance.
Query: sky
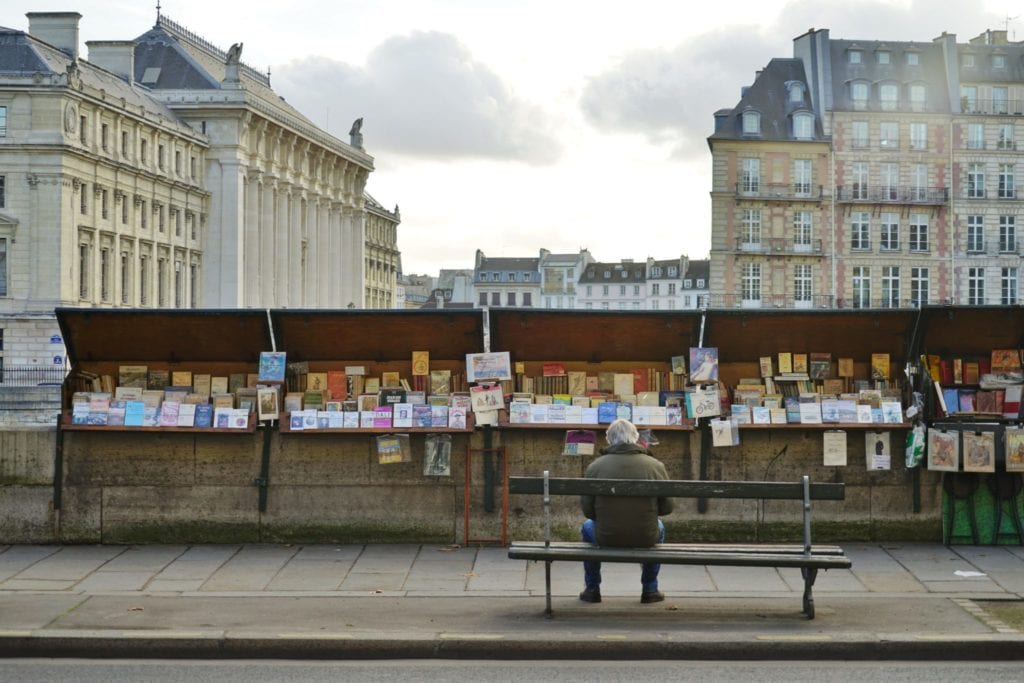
(515, 125)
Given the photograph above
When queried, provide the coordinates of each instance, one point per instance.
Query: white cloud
(423, 94)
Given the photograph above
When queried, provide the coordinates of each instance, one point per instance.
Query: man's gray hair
(621, 432)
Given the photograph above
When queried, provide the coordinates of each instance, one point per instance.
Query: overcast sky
(512, 125)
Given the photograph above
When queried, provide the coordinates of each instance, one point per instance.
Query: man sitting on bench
(624, 521)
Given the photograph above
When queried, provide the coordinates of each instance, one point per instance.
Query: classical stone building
(506, 281)
(164, 172)
(677, 284)
(865, 173)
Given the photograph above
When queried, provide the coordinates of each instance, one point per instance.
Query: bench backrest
(671, 488)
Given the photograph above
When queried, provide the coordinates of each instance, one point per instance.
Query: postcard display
(974, 433)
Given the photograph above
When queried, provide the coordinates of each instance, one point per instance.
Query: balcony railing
(787, 192)
(737, 301)
(895, 195)
(994, 249)
(892, 105)
(1004, 193)
(31, 375)
(998, 106)
(778, 245)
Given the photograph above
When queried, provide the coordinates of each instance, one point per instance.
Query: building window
(161, 281)
(918, 96)
(636, 290)
(160, 154)
(526, 277)
(179, 285)
(495, 298)
(126, 274)
(859, 95)
(861, 287)
(889, 135)
(654, 305)
(511, 277)
(889, 96)
(1006, 180)
(193, 285)
(3, 266)
(796, 92)
(913, 59)
(177, 222)
(860, 231)
(975, 136)
(143, 215)
(105, 204)
(975, 234)
(671, 288)
(177, 162)
(859, 133)
(673, 271)
(687, 283)
(860, 180)
(802, 230)
(590, 290)
(751, 123)
(483, 298)
(1008, 287)
(84, 259)
(161, 217)
(511, 298)
(104, 132)
(3, 191)
(998, 61)
(889, 239)
(144, 279)
(918, 232)
(890, 181)
(83, 128)
(751, 178)
(975, 181)
(622, 290)
(802, 177)
(882, 56)
(802, 283)
(803, 126)
(1005, 140)
(83, 199)
(969, 99)
(124, 143)
(999, 100)
(190, 224)
(890, 287)
(192, 167)
(124, 209)
(483, 277)
(918, 286)
(918, 136)
(3, 122)
(751, 282)
(967, 61)
(655, 289)
(975, 286)
(750, 224)
(143, 148)
(1007, 234)
(700, 284)
(604, 290)
(855, 57)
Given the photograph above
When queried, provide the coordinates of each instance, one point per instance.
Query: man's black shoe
(649, 596)
(591, 595)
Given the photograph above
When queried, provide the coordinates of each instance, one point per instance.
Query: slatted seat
(804, 557)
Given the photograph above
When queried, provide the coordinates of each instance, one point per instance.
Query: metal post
(488, 469)
(807, 515)
(264, 479)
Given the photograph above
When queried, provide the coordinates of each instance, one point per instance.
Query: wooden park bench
(809, 559)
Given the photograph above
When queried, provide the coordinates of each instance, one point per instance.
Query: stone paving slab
(15, 559)
(144, 558)
(114, 581)
(70, 563)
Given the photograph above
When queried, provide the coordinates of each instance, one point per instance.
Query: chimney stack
(59, 29)
(116, 56)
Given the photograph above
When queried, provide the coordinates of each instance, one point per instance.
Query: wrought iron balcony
(874, 194)
(769, 301)
(997, 106)
(779, 191)
(778, 245)
(1004, 193)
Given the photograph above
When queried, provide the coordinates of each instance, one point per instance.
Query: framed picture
(943, 450)
(979, 452)
(488, 366)
(267, 403)
(703, 364)
(1014, 449)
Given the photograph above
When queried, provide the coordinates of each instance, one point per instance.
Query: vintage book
(1014, 449)
(204, 415)
(778, 416)
(553, 369)
(958, 371)
(240, 419)
(834, 447)
(486, 397)
(577, 383)
(785, 362)
(350, 419)
(799, 362)
(561, 399)
(440, 381)
(876, 451)
(251, 380)
(979, 451)
(830, 410)
(766, 366)
(132, 376)
(391, 396)
(678, 365)
(864, 414)
(382, 416)
(833, 386)
(272, 366)
(640, 380)
(623, 411)
(223, 400)
(943, 450)
(623, 384)
(371, 385)
(420, 363)
(1012, 401)
(152, 398)
(539, 413)
(880, 366)
(181, 378)
(810, 413)
(971, 374)
(439, 416)
(845, 367)
(1005, 360)
(519, 412)
(316, 381)
(892, 412)
(134, 413)
(158, 379)
(336, 385)
(245, 398)
(966, 400)
(390, 379)
(193, 398)
(819, 365)
(202, 384)
(236, 381)
(187, 415)
(222, 418)
(115, 415)
(606, 412)
(606, 381)
(169, 414)
(128, 393)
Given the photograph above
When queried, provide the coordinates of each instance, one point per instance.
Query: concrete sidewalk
(899, 601)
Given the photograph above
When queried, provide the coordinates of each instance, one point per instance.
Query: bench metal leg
(547, 589)
(809, 575)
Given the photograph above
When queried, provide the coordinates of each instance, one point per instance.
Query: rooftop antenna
(1006, 25)
(158, 11)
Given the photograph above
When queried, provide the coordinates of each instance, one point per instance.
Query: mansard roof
(769, 97)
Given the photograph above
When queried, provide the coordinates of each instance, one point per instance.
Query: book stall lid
(593, 336)
(970, 330)
(378, 335)
(166, 336)
(747, 335)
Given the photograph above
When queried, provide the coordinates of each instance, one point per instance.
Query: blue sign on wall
(55, 339)
(58, 360)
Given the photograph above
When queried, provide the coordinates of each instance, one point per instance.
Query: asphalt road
(256, 671)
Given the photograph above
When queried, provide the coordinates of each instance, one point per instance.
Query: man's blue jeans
(592, 570)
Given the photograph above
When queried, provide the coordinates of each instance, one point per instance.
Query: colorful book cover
(439, 416)
(169, 414)
(421, 415)
(420, 363)
(553, 369)
(382, 416)
(819, 366)
(272, 366)
(204, 415)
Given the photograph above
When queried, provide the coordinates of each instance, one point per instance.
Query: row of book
(605, 412)
(391, 416)
(972, 369)
(1004, 403)
(818, 366)
(100, 410)
(812, 409)
(353, 380)
(556, 380)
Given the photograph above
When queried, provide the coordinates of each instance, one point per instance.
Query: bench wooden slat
(556, 552)
(677, 488)
(767, 548)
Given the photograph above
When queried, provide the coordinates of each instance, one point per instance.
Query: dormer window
(918, 96)
(796, 92)
(803, 126)
(483, 277)
(998, 61)
(673, 271)
(889, 94)
(882, 56)
(511, 277)
(913, 59)
(751, 123)
(859, 94)
(855, 57)
(967, 61)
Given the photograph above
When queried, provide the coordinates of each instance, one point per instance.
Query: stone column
(251, 280)
(267, 226)
(293, 291)
(279, 295)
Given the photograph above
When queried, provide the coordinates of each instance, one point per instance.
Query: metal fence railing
(31, 375)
